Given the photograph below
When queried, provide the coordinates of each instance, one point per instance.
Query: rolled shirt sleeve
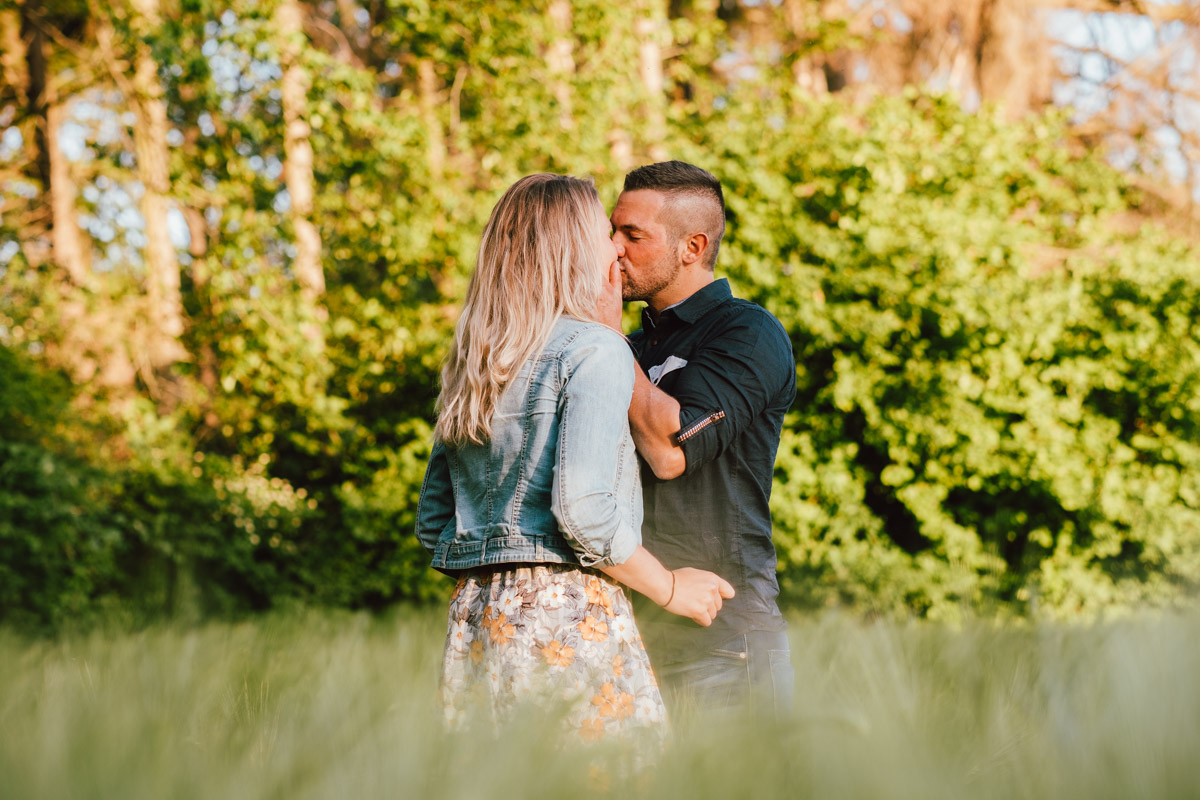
(729, 383)
(594, 447)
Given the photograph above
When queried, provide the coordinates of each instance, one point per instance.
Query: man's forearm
(654, 421)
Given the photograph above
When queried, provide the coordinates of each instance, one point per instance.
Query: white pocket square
(672, 363)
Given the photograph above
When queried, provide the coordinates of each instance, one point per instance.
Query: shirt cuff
(698, 438)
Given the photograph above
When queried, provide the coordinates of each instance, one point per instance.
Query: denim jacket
(558, 481)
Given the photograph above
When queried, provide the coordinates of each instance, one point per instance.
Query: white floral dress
(553, 634)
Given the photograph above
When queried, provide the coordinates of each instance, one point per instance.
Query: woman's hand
(697, 594)
(693, 593)
(609, 304)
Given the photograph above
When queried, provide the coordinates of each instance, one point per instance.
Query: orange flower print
(500, 632)
(618, 665)
(591, 730)
(611, 704)
(605, 701)
(476, 652)
(597, 594)
(624, 705)
(559, 655)
(593, 630)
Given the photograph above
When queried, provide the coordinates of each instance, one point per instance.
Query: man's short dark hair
(694, 200)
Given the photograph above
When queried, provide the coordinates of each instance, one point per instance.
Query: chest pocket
(656, 373)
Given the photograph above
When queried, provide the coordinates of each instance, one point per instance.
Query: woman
(532, 497)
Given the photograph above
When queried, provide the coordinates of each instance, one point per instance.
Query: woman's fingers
(699, 594)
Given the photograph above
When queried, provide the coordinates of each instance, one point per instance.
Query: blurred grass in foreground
(335, 705)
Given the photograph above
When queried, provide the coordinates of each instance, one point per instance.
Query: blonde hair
(536, 262)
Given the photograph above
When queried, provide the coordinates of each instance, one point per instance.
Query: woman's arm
(688, 592)
(594, 402)
(597, 385)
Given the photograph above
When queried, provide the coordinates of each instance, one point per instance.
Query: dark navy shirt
(729, 364)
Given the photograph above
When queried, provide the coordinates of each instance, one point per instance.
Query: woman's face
(604, 249)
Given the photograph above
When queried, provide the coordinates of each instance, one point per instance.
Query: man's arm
(654, 421)
(716, 396)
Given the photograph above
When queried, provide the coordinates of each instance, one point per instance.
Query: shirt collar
(696, 306)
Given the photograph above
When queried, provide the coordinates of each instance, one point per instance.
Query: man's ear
(695, 247)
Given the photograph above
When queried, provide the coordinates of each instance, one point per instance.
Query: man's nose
(617, 243)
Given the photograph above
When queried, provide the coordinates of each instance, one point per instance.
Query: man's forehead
(638, 207)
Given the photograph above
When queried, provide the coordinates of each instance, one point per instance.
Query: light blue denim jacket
(558, 481)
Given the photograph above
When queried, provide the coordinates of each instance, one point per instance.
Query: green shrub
(997, 387)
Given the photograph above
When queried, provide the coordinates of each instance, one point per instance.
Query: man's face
(649, 254)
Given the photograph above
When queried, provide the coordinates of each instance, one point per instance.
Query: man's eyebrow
(628, 226)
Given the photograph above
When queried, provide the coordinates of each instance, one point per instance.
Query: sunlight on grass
(339, 705)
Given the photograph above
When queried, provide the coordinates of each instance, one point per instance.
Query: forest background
(235, 236)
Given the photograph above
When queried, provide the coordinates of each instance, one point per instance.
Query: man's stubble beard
(649, 282)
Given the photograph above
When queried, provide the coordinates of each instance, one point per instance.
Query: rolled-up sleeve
(435, 509)
(593, 428)
(729, 383)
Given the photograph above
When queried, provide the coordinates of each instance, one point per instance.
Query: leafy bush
(997, 384)
(155, 531)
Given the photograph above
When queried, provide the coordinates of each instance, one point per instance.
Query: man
(717, 377)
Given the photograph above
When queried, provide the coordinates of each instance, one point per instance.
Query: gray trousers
(750, 673)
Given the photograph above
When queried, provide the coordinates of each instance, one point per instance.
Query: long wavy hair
(536, 262)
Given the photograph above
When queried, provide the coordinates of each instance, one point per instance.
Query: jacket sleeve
(593, 426)
(435, 509)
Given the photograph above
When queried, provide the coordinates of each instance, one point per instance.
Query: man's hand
(609, 304)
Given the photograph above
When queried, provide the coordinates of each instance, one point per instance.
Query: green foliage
(88, 534)
(998, 368)
(997, 387)
(55, 550)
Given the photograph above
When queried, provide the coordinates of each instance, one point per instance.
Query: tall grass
(330, 705)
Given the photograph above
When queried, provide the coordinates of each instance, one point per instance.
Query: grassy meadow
(334, 705)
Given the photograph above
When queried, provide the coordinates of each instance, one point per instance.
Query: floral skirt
(555, 635)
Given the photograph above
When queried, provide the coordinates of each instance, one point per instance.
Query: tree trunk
(150, 144)
(14, 71)
(808, 69)
(560, 60)
(429, 98)
(71, 253)
(648, 27)
(1014, 65)
(24, 61)
(35, 87)
(298, 153)
(67, 248)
